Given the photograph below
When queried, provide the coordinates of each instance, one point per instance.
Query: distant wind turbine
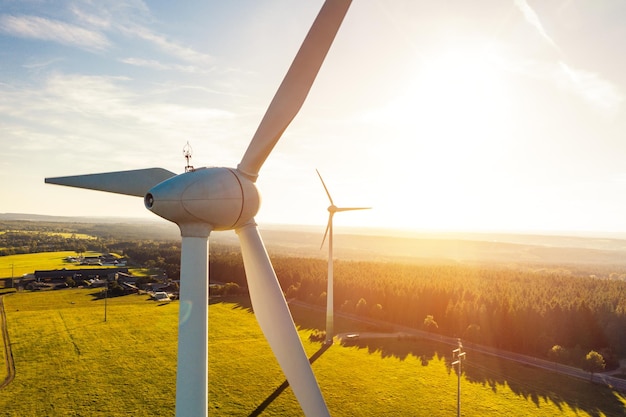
(332, 209)
(203, 200)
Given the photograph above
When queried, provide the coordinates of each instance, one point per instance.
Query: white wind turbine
(204, 200)
(332, 209)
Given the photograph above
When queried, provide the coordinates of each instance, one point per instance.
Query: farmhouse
(83, 274)
(107, 259)
(123, 277)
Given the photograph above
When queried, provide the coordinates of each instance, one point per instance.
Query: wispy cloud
(600, 93)
(95, 29)
(41, 64)
(128, 18)
(533, 19)
(167, 46)
(107, 14)
(146, 63)
(67, 107)
(34, 27)
(102, 20)
(160, 66)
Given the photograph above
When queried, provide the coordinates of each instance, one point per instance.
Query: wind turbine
(332, 209)
(204, 200)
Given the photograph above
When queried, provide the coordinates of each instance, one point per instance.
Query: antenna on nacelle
(187, 151)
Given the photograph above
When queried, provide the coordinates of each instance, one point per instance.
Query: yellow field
(18, 265)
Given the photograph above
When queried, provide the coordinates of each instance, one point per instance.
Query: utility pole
(106, 295)
(459, 355)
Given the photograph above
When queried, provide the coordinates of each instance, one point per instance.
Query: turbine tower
(332, 209)
(204, 200)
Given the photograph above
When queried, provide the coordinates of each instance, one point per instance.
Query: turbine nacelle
(204, 200)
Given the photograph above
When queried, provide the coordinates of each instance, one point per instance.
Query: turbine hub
(204, 200)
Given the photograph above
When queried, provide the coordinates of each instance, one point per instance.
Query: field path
(8, 354)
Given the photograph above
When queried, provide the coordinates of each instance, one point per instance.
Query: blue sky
(484, 115)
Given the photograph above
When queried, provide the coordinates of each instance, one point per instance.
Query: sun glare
(449, 123)
(453, 97)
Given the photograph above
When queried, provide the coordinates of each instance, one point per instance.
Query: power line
(460, 355)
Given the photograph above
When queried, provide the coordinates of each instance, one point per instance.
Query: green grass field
(19, 265)
(70, 362)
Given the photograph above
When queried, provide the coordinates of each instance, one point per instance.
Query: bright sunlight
(450, 123)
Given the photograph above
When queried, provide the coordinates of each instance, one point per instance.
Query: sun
(450, 122)
(454, 96)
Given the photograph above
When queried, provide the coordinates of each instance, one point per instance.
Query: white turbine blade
(295, 86)
(328, 226)
(324, 184)
(191, 372)
(135, 182)
(352, 208)
(274, 317)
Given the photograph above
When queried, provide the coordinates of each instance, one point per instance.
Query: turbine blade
(324, 184)
(274, 317)
(330, 220)
(191, 371)
(135, 182)
(352, 208)
(295, 86)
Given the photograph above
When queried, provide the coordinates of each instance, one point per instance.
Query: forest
(545, 312)
(521, 311)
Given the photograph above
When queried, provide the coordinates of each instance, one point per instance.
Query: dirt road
(6, 345)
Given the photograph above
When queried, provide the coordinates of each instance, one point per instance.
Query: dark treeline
(21, 236)
(20, 242)
(517, 309)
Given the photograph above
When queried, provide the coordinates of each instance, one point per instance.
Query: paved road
(602, 378)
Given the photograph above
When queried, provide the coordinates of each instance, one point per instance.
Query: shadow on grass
(541, 386)
(399, 347)
(530, 383)
(533, 384)
(285, 384)
(244, 303)
(101, 294)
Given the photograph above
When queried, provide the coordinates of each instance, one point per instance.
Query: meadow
(18, 265)
(70, 362)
